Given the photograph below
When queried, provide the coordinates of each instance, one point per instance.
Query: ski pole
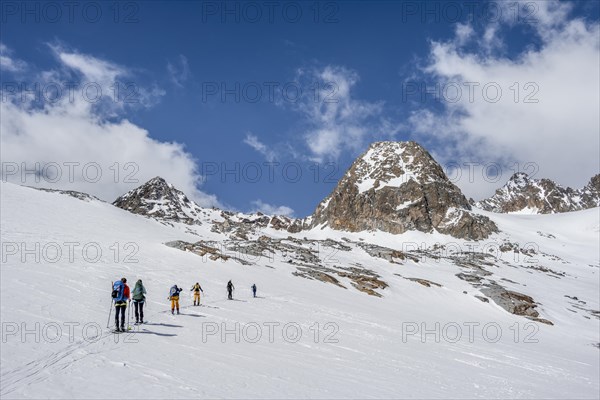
(128, 314)
(109, 313)
(111, 307)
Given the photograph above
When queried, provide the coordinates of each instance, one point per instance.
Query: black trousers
(120, 309)
(139, 310)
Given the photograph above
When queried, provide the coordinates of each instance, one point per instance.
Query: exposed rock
(469, 278)
(307, 255)
(362, 279)
(466, 225)
(213, 251)
(547, 235)
(396, 187)
(547, 271)
(513, 302)
(292, 225)
(423, 282)
(318, 275)
(72, 193)
(391, 255)
(542, 196)
(541, 320)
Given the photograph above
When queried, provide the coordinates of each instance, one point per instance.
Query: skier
(230, 289)
(174, 297)
(139, 297)
(197, 289)
(254, 289)
(121, 296)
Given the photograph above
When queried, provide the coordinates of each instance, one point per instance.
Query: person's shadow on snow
(154, 333)
(166, 325)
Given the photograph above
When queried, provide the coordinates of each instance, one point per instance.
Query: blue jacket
(120, 287)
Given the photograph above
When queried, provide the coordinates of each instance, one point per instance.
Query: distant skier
(120, 296)
(230, 289)
(197, 289)
(254, 289)
(139, 297)
(174, 297)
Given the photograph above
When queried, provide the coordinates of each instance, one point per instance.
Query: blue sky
(194, 70)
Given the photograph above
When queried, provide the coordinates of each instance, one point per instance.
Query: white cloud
(559, 132)
(8, 62)
(94, 69)
(179, 71)
(336, 120)
(253, 141)
(120, 86)
(265, 208)
(73, 131)
(463, 33)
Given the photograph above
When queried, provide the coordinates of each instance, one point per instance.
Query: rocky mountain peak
(590, 194)
(519, 180)
(162, 201)
(394, 163)
(541, 196)
(397, 187)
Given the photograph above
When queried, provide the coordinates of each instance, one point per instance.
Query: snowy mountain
(160, 200)
(541, 196)
(394, 187)
(339, 313)
(397, 187)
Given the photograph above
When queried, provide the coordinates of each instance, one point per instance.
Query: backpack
(117, 290)
(174, 291)
(138, 293)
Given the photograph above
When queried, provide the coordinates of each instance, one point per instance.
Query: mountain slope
(367, 346)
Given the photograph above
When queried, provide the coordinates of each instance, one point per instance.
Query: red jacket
(126, 292)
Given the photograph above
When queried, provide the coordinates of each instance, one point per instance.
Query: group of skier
(121, 295)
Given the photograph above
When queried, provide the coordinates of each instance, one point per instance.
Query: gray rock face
(396, 187)
(542, 196)
(162, 201)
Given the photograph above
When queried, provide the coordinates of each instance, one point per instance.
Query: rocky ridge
(541, 196)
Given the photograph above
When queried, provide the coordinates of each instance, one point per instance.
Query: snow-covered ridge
(160, 200)
(522, 194)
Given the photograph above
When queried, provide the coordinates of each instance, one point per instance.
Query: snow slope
(364, 348)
